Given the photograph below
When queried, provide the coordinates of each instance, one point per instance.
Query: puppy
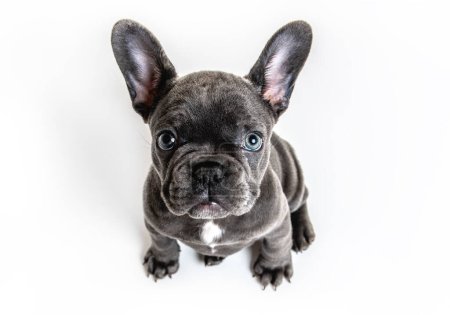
(221, 179)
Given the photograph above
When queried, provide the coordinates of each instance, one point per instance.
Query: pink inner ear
(147, 75)
(276, 79)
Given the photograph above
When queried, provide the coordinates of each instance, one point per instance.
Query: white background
(369, 119)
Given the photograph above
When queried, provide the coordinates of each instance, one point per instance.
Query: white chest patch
(210, 233)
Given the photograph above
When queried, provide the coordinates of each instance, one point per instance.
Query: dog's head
(211, 130)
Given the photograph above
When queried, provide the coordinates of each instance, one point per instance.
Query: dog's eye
(252, 142)
(166, 141)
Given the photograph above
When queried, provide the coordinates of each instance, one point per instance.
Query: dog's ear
(279, 64)
(146, 68)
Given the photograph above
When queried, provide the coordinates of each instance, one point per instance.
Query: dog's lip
(207, 203)
(207, 210)
(207, 206)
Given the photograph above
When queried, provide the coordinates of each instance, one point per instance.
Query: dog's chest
(210, 234)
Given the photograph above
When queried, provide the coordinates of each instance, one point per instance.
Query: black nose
(208, 173)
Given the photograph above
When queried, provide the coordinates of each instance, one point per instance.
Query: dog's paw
(269, 273)
(158, 267)
(213, 260)
(302, 236)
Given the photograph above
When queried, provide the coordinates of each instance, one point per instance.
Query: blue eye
(166, 141)
(252, 142)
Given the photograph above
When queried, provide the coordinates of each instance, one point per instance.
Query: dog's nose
(208, 173)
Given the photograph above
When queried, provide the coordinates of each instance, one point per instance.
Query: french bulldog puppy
(221, 179)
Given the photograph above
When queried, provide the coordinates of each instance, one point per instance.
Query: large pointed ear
(146, 68)
(279, 64)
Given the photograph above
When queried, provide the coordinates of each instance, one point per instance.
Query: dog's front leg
(274, 261)
(162, 257)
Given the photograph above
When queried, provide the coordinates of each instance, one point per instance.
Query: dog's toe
(272, 274)
(159, 268)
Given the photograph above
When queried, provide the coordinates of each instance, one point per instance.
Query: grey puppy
(220, 180)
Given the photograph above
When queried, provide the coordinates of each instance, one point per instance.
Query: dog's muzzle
(208, 187)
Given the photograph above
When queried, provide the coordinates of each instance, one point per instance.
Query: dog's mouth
(207, 210)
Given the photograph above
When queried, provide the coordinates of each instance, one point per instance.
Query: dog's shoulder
(284, 162)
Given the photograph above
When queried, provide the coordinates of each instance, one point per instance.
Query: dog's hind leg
(213, 260)
(302, 230)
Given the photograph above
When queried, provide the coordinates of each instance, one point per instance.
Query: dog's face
(209, 145)
(211, 130)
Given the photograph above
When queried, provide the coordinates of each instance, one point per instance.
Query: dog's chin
(207, 211)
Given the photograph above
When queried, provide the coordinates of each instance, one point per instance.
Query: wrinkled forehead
(212, 106)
